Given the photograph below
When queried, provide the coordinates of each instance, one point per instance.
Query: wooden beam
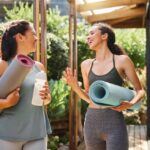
(133, 23)
(116, 21)
(107, 4)
(116, 15)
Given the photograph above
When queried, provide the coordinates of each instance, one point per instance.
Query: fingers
(123, 106)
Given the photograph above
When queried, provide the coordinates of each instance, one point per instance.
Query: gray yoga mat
(106, 94)
(15, 74)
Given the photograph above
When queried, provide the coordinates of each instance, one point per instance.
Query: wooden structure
(119, 14)
(40, 27)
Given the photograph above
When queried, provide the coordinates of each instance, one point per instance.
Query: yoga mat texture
(106, 94)
(15, 74)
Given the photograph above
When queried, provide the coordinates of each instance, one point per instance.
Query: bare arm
(71, 79)
(11, 100)
(130, 73)
(132, 76)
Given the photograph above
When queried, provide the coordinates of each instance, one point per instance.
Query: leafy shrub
(133, 41)
(60, 96)
(57, 56)
(20, 11)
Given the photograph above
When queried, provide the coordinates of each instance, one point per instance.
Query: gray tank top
(25, 121)
(112, 76)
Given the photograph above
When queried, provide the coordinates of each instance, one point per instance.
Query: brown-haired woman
(105, 129)
(23, 126)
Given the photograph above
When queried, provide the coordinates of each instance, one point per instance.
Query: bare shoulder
(123, 59)
(40, 65)
(87, 63)
(123, 62)
(3, 66)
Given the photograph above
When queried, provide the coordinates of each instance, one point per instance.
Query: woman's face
(29, 40)
(94, 38)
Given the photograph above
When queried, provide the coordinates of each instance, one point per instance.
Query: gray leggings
(105, 129)
(40, 144)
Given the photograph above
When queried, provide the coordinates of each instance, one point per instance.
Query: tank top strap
(114, 61)
(92, 65)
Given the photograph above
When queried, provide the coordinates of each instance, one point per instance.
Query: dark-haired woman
(105, 128)
(23, 126)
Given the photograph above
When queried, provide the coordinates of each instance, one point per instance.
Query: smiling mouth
(90, 42)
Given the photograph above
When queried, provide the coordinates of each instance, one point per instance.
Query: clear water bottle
(40, 80)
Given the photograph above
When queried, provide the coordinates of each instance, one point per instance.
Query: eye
(91, 32)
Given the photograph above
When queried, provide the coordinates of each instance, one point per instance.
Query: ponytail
(114, 48)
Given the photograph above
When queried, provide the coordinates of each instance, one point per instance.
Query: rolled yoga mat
(106, 94)
(15, 74)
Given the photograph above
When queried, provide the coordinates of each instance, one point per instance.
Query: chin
(92, 48)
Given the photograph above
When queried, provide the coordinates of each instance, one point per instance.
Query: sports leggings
(40, 144)
(105, 129)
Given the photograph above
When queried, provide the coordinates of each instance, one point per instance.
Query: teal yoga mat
(15, 74)
(106, 94)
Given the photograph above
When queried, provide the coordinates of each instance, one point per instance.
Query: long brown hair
(9, 44)
(114, 48)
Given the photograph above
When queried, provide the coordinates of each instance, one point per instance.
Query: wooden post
(73, 103)
(148, 68)
(43, 34)
(40, 27)
(36, 12)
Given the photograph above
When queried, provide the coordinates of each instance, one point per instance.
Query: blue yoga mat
(106, 94)
(15, 74)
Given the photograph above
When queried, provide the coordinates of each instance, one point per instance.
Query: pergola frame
(40, 27)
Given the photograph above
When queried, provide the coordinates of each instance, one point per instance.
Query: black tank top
(112, 76)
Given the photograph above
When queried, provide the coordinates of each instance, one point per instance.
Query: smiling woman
(23, 126)
(105, 128)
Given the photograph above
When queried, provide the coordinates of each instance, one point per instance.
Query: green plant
(57, 56)
(57, 24)
(60, 95)
(53, 142)
(20, 11)
(132, 118)
(133, 41)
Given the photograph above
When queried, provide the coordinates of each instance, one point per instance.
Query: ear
(104, 36)
(19, 37)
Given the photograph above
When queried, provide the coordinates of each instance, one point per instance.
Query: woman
(105, 129)
(24, 126)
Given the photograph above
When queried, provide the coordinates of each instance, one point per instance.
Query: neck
(22, 50)
(103, 53)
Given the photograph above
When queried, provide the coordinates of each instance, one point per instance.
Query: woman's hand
(13, 98)
(123, 106)
(70, 78)
(45, 94)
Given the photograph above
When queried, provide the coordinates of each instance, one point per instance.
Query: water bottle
(40, 80)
